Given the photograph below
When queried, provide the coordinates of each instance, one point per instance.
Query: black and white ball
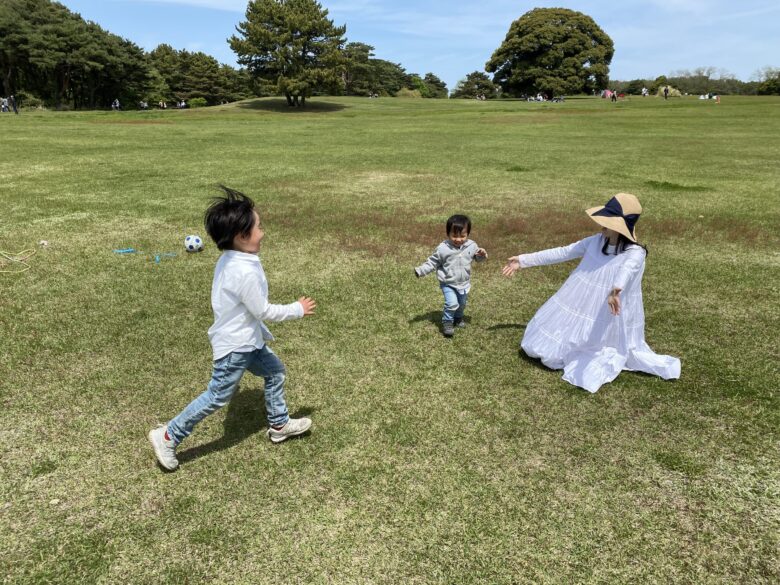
(193, 243)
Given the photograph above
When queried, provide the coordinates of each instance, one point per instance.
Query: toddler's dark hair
(229, 216)
(458, 224)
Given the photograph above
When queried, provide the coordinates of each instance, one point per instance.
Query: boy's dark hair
(228, 217)
(458, 224)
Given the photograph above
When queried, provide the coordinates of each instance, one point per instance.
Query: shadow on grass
(435, 318)
(535, 362)
(431, 317)
(500, 326)
(280, 106)
(245, 416)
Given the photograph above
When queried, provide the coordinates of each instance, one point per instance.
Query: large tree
(358, 74)
(475, 85)
(552, 50)
(436, 88)
(292, 44)
(388, 78)
(769, 81)
(51, 53)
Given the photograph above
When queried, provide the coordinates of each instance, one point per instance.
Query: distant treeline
(50, 56)
(704, 80)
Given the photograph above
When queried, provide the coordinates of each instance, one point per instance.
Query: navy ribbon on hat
(614, 209)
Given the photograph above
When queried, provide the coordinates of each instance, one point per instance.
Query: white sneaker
(293, 427)
(165, 451)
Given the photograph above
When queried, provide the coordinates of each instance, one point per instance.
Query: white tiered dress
(575, 330)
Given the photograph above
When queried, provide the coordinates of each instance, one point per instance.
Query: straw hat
(619, 214)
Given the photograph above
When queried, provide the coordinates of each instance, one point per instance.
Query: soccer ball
(193, 243)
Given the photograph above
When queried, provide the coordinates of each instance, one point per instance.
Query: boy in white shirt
(239, 298)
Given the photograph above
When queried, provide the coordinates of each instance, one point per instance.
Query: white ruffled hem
(592, 369)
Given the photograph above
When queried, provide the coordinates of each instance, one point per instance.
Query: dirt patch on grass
(517, 119)
(133, 122)
(732, 230)
(537, 230)
(741, 232)
(378, 233)
(564, 112)
(667, 186)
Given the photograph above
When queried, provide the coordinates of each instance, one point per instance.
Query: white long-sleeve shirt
(632, 258)
(239, 298)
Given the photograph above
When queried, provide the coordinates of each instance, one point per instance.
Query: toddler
(452, 263)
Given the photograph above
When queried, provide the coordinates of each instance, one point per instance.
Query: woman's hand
(613, 300)
(512, 266)
(308, 305)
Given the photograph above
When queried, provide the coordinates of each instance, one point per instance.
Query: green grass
(430, 461)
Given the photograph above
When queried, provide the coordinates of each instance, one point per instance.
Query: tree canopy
(552, 50)
(769, 83)
(364, 75)
(186, 75)
(292, 45)
(358, 75)
(51, 55)
(476, 84)
(49, 51)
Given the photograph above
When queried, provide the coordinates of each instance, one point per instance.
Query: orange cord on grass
(18, 258)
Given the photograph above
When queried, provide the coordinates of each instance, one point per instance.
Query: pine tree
(292, 45)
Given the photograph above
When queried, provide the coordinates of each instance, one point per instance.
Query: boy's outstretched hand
(308, 305)
(511, 267)
(482, 253)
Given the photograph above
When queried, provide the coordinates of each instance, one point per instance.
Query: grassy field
(430, 461)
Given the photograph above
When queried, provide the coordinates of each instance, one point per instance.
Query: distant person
(14, 107)
(4, 105)
(239, 298)
(452, 263)
(613, 97)
(666, 92)
(594, 326)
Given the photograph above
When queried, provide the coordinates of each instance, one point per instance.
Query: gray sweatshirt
(452, 265)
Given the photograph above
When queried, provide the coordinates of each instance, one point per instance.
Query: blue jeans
(224, 383)
(454, 303)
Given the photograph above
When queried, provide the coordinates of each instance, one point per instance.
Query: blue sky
(452, 38)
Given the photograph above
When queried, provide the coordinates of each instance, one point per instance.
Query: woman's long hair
(622, 243)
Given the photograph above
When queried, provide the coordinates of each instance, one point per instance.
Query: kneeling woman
(594, 326)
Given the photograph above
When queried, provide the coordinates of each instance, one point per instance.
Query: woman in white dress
(594, 326)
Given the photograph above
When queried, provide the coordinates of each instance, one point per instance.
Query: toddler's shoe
(459, 323)
(293, 427)
(447, 329)
(164, 449)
